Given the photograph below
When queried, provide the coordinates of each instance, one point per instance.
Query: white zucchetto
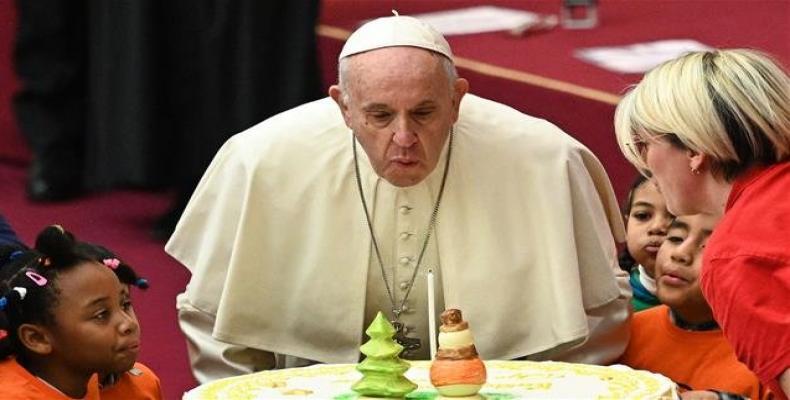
(394, 31)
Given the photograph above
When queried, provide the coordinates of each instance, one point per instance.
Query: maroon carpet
(120, 220)
(757, 24)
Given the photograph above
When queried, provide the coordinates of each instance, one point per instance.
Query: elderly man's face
(400, 105)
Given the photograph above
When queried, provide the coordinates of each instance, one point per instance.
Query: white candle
(431, 315)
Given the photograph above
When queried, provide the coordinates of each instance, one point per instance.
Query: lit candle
(431, 315)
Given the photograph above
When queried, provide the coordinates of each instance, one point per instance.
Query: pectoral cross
(409, 344)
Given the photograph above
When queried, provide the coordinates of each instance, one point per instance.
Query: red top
(19, 384)
(702, 360)
(746, 272)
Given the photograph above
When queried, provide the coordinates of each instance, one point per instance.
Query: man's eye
(101, 315)
(380, 116)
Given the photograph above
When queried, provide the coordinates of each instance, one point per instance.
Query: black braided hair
(124, 271)
(11, 255)
(22, 300)
(29, 283)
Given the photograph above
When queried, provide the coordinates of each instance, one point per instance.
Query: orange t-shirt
(139, 383)
(702, 360)
(19, 384)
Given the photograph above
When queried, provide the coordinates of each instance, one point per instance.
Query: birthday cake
(506, 380)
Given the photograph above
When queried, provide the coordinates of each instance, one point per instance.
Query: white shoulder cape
(276, 241)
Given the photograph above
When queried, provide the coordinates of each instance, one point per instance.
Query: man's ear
(35, 338)
(336, 93)
(460, 88)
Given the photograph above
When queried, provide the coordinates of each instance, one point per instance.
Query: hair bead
(21, 293)
(113, 263)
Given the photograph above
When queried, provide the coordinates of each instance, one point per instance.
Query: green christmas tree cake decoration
(382, 369)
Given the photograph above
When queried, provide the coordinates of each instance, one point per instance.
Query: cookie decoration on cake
(457, 370)
(382, 369)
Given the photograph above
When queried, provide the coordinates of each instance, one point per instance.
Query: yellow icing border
(512, 377)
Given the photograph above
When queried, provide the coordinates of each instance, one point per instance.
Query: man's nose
(404, 134)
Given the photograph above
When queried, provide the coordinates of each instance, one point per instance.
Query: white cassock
(282, 262)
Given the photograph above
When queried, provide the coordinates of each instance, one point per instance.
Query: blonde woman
(713, 130)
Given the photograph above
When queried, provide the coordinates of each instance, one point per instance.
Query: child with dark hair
(139, 382)
(646, 221)
(69, 323)
(680, 339)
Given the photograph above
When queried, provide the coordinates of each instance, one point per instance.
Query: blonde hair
(732, 105)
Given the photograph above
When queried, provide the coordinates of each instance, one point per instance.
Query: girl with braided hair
(67, 323)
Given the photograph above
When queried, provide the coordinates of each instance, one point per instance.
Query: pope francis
(308, 224)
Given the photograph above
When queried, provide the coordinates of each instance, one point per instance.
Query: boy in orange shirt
(680, 339)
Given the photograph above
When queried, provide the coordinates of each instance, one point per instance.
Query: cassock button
(404, 285)
(404, 235)
(404, 210)
(405, 260)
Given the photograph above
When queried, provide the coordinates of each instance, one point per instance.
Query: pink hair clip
(112, 262)
(36, 278)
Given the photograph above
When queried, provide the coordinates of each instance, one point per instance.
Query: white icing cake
(506, 380)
